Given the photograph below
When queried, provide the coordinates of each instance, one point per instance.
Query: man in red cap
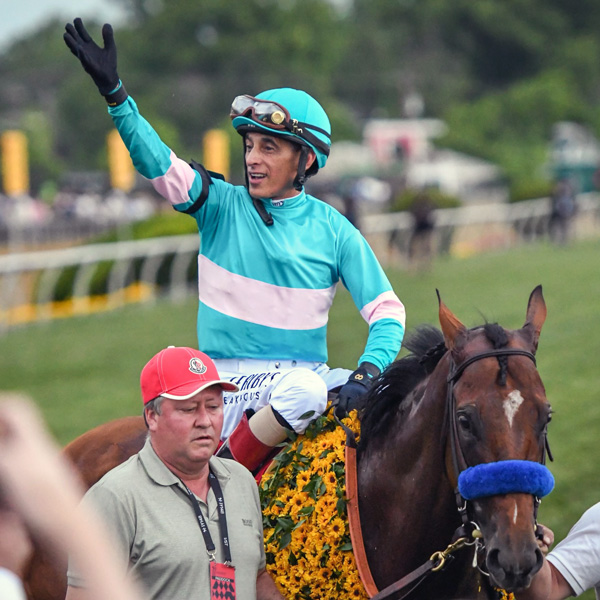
(186, 523)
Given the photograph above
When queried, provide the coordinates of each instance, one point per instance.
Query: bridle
(458, 460)
(469, 529)
(468, 533)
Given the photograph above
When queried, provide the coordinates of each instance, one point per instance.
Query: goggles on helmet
(274, 116)
(266, 112)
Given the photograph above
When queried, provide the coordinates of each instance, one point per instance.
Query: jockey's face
(272, 165)
(186, 432)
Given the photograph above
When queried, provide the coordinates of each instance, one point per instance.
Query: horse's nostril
(492, 560)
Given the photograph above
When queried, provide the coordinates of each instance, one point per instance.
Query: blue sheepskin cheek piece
(505, 477)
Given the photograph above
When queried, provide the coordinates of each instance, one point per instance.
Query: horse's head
(497, 415)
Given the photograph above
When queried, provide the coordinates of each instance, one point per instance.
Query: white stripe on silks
(385, 306)
(262, 303)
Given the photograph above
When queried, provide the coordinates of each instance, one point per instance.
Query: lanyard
(210, 546)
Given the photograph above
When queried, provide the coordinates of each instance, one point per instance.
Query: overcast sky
(20, 17)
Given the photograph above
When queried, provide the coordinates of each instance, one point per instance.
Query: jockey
(270, 259)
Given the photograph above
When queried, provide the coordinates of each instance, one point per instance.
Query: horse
(470, 400)
(464, 402)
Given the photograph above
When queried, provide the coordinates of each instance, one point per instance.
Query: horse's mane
(426, 348)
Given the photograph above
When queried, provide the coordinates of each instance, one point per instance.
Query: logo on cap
(197, 366)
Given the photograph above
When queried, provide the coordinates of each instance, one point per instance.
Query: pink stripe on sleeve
(385, 306)
(176, 183)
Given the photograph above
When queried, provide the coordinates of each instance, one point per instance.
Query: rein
(467, 534)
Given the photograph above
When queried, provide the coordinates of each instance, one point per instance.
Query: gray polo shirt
(158, 535)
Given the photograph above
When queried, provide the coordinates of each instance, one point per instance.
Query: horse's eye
(464, 422)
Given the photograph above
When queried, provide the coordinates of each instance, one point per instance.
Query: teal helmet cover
(301, 107)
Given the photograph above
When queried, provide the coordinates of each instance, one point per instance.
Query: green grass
(84, 371)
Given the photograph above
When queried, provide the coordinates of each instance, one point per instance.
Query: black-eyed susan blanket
(304, 504)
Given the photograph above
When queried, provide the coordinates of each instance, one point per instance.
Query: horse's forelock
(498, 337)
(496, 334)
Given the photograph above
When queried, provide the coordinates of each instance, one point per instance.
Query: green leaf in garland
(313, 485)
(284, 524)
(307, 415)
(306, 511)
(340, 506)
(285, 539)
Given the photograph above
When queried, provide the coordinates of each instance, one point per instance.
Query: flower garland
(303, 498)
(305, 521)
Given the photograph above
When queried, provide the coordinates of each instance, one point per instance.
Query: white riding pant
(293, 388)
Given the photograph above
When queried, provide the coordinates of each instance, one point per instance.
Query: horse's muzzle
(513, 573)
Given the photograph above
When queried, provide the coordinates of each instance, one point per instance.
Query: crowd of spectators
(72, 213)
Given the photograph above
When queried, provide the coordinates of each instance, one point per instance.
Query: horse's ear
(536, 315)
(452, 328)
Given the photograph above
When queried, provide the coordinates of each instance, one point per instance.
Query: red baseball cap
(180, 373)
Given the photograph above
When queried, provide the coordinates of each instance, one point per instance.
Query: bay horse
(466, 401)
(470, 400)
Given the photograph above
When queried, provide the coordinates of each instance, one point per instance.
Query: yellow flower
(298, 501)
(330, 480)
(325, 511)
(302, 479)
(336, 561)
(356, 592)
(308, 481)
(337, 528)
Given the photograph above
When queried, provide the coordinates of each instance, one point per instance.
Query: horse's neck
(406, 501)
(415, 440)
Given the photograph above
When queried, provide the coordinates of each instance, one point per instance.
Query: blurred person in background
(41, 497)
(564, 205)
(270, 259)
(420, 245)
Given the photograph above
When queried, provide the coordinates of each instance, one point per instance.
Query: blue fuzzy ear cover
(505, 477)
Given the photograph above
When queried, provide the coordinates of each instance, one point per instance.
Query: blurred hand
(32, 470)
(45, 491)
(15, 544)
(545, 538)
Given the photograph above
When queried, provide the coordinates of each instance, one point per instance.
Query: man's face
(186, 433)
(272, 165)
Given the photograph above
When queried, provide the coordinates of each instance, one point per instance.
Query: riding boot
(254, 439)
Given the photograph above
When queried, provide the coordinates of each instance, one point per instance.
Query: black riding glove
(352, 394)
(99, 63)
